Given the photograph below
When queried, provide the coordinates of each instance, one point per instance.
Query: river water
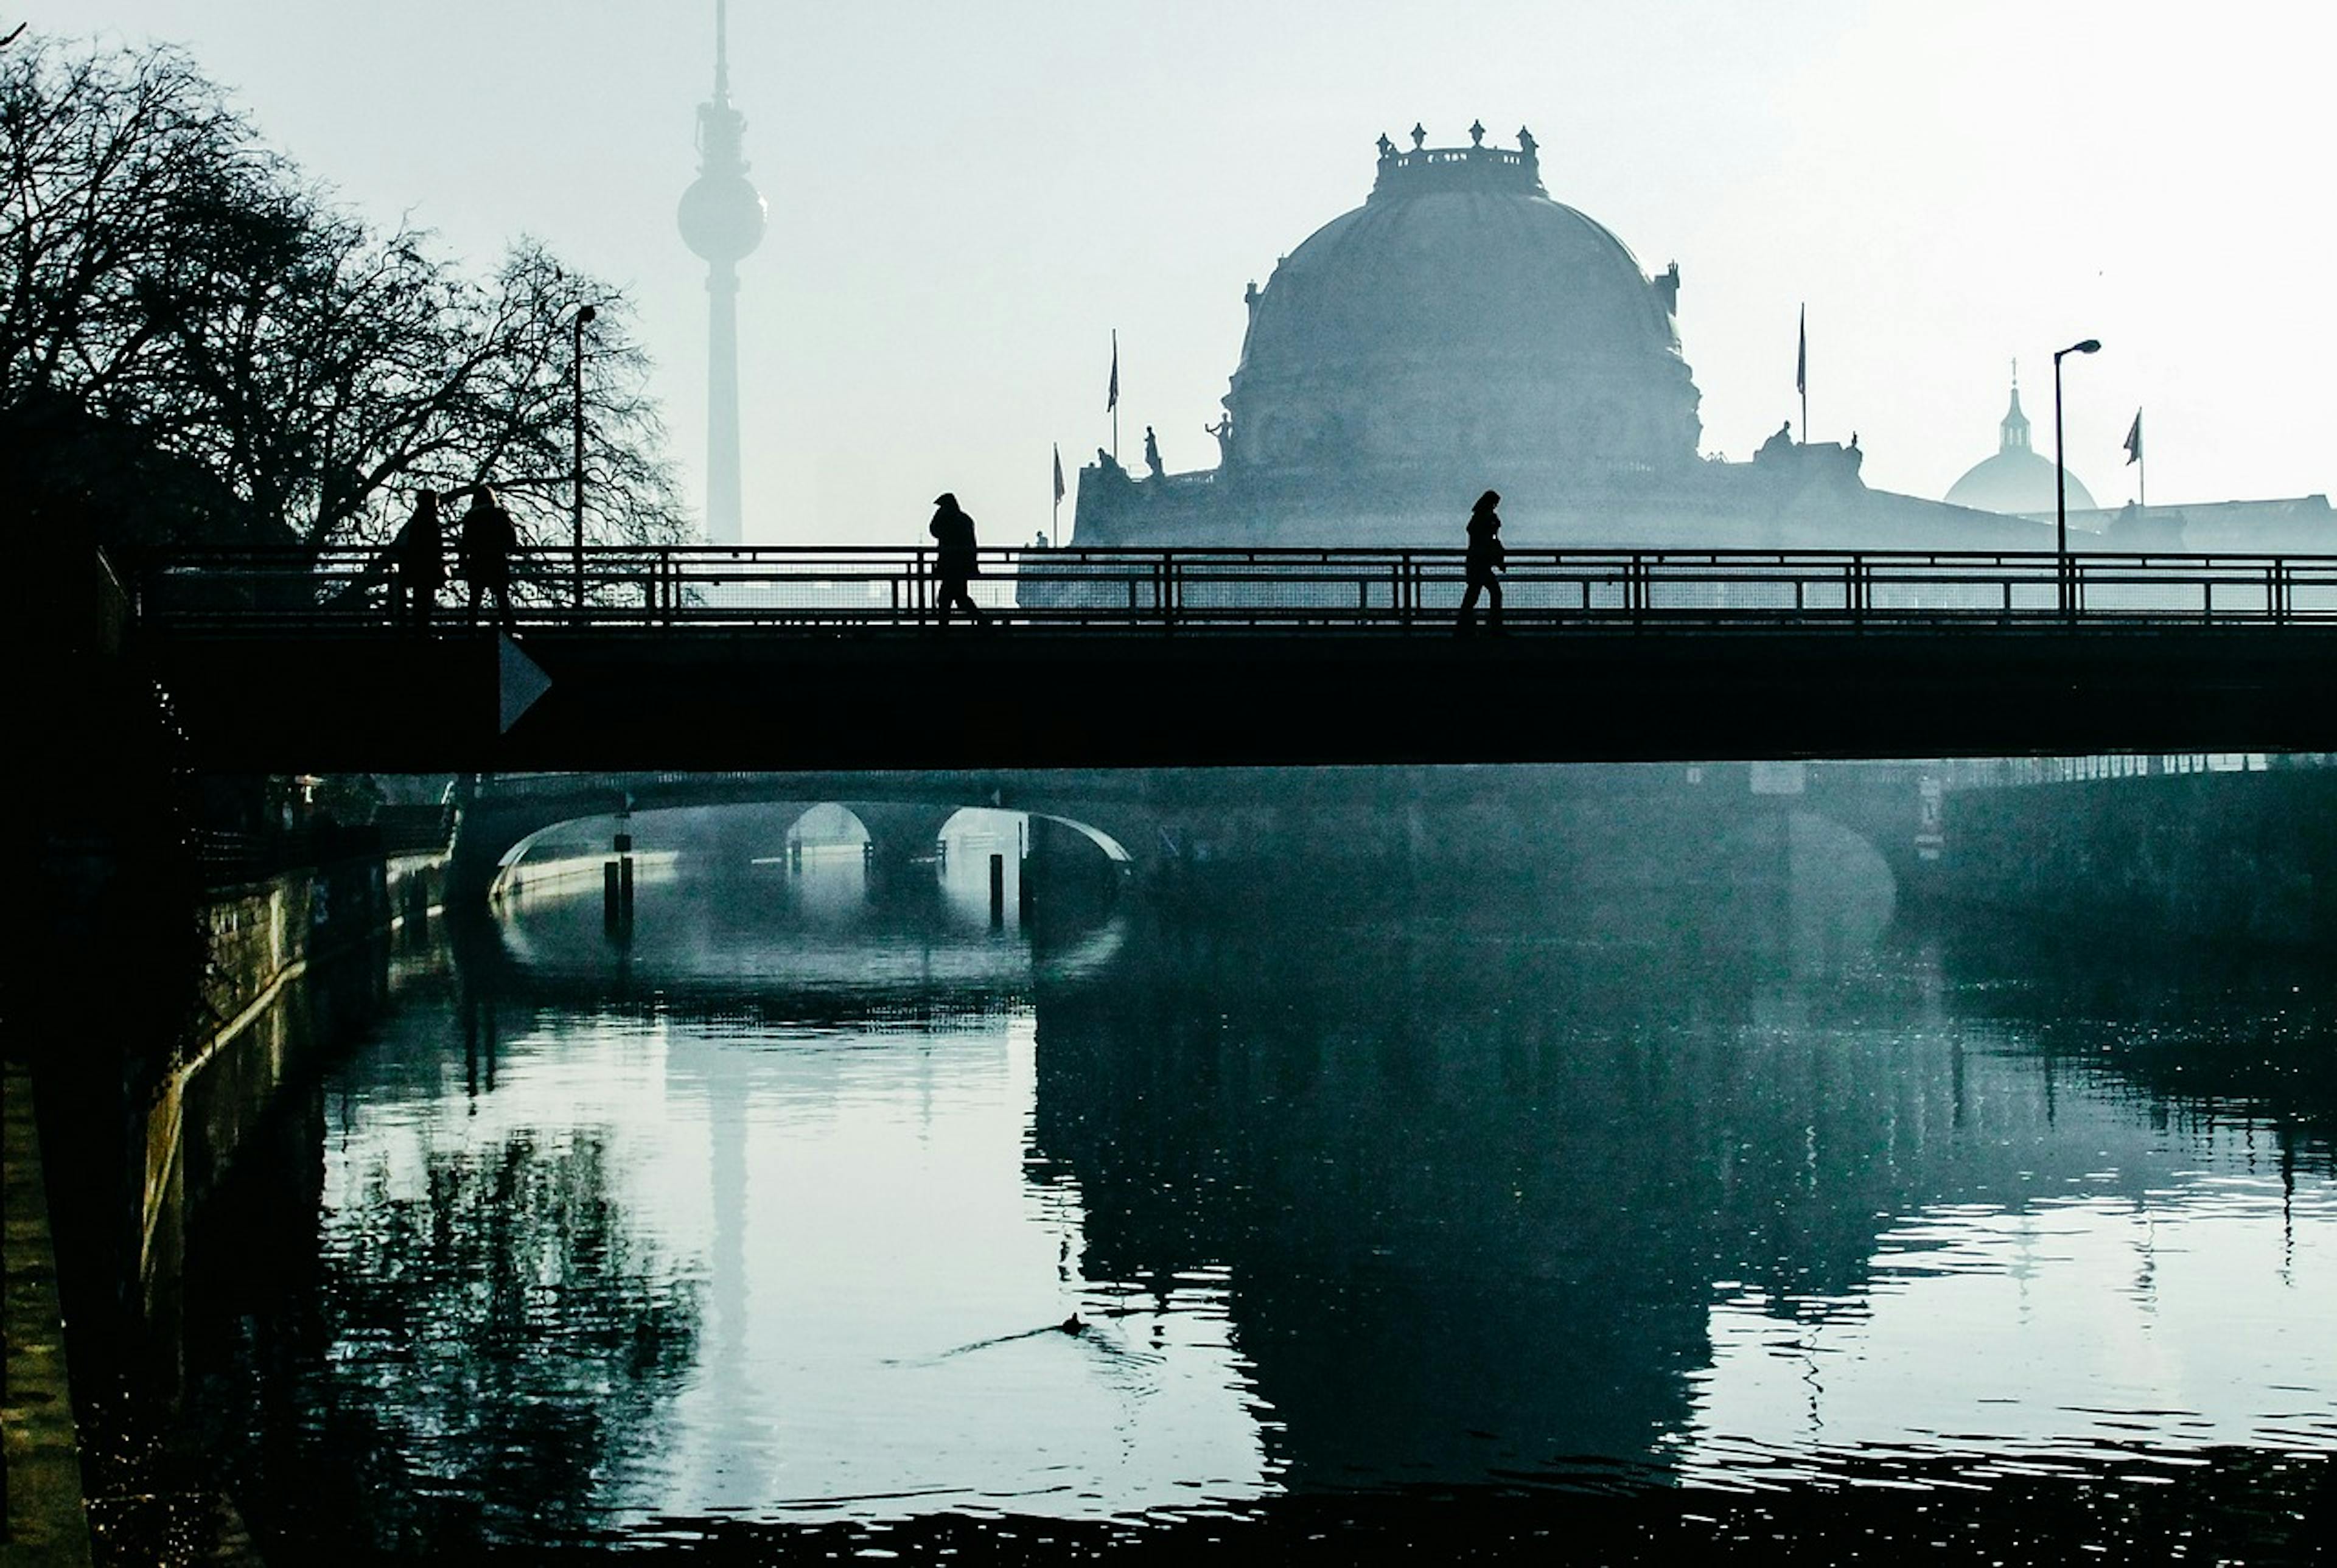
(812, 1208)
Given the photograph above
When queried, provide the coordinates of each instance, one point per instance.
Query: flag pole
(1115, 395)
(1801, 373)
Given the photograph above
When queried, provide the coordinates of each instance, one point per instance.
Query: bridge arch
(830, 823)
(1112, 849)
(504, 819)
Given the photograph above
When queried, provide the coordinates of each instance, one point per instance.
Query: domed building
(1462, 331)
(1462, 315)
(2017, 479)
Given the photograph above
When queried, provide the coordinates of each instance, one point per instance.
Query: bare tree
(199, 342)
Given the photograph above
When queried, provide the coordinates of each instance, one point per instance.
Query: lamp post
(2061, 482)
(584, 317)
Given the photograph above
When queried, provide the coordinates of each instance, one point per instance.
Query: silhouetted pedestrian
(1481, 563)
(420, 550)
(484, 553)
(954, 563)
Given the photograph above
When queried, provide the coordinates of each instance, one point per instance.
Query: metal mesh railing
(833, 589)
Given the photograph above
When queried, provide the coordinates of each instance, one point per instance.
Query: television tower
(721, 217)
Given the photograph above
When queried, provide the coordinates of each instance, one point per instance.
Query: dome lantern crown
(1476, 167)
(2014, 432)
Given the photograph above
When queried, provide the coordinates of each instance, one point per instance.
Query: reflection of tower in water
(721, 219)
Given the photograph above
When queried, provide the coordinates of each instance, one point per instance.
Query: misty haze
(1296, 782)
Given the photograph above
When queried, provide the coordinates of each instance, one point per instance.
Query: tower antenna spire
(722, 218)
(722, 51)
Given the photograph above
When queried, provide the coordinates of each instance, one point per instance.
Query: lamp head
(588, 315)
(2091, 345)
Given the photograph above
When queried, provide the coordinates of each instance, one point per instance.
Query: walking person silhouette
(420, 553)
(1481, 563)
(954, 563)
(484, 553)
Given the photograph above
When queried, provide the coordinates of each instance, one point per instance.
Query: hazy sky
(967, 197)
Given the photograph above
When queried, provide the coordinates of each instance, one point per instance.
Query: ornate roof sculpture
(2018, 479)
(1461, 316)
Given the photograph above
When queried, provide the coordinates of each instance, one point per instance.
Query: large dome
(1461, 317)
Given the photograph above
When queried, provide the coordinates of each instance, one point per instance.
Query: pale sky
(967, 197)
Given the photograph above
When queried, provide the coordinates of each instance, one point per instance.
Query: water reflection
(775, 1209)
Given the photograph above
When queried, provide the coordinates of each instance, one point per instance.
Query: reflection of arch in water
(1803, 890)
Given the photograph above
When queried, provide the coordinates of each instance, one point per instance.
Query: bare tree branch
(179, 292)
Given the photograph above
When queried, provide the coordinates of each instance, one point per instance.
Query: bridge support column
(901, 836)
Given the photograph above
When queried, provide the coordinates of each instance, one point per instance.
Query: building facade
(1461, 331)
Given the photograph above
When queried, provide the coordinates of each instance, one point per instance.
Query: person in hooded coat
(955, 561)
(421, 551)
(1481, 563)
(483, 550)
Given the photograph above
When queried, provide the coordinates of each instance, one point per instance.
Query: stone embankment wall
(2237, 857)
(40, 1453)
(260, 1028)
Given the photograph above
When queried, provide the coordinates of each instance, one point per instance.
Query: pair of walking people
(484, 545)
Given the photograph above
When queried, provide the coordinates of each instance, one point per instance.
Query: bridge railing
(813, 589)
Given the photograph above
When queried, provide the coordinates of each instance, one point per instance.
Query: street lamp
(584, 318)
(2061, 478)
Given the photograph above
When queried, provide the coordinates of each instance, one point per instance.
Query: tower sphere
(722, 217)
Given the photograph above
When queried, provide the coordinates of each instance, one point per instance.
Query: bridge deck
(1017, 698)
(803, 659)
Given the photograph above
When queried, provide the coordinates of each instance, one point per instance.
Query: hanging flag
(1801, 359)
(2134, 440)
(1111, 398)
(1058, 473)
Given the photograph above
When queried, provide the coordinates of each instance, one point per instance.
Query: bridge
(750, 657)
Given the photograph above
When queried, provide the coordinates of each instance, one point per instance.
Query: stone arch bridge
(1656, 824)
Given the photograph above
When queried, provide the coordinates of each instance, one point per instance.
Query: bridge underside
(1022, 697)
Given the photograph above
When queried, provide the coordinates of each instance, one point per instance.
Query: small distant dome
(2017, 479)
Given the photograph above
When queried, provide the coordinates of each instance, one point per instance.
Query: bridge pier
(901, 836)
